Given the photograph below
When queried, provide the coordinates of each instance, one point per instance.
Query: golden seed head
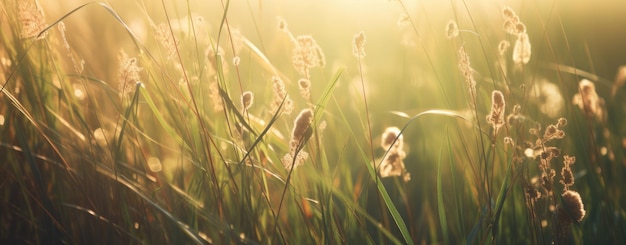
(466, 70)
(32, 20)
(128, 74)
(307, 54)
(508, 13)
(573, 205)
(282, 25)
(496, 116)
(567, 177)
(588, 100)
(522, 49)
(302, 126)
(389, 136)
(509, 27)
(520, 28)
(167, 39)
(561, 122)
(452, 29)
(305, 88)
(358, 45)
(503, 46)
(247, 98)
(280, 94)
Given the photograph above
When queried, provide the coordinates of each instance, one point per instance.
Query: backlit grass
(311, 122)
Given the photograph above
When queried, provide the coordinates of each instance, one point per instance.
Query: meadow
(312, 122)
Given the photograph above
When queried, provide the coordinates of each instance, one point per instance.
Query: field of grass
(312, 122)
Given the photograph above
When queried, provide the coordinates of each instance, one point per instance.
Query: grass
(124, 123)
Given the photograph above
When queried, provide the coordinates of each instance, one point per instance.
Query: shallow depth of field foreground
(312, 122)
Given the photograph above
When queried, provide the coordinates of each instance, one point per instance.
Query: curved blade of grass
(457, 197)
(104, 219)
(125, 120)
(157, 113)
(121, 180)
(328, 91)
(229, 104)
(392, 209)
(504, 190)
(67, 124)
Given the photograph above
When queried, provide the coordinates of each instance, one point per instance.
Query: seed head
(503, 46)
(588, 100)
(393, 162)
(167, 39)
(307, 54)
(302, 127)
(521, 50)
(466, 70)
(496, 116)
(358, 45)
(305, 88)
(247, 98)
(282, 25)
(574, 206)
(280, 94)
(300, 134)
(452, 30)
(128, 74)
(389, 136)
(32, 20)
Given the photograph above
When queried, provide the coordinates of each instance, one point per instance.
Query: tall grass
(228, 122)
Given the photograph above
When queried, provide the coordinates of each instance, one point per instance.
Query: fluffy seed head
(466, 70)
(393, 162)
(452, 30)
(128, 74)
(561, 122)
(300, 134)
(389, 136)
(302, 126)
(496, 116)
(358, 45)
(574, 205)
(522, 49)
(247, 98)
(305, 88)
(566, 172)
(503, 46)
(167, 39)
(32, 19)
(508, 13)
(280, 94)
(588, 100)
(282, 25)
(307, 54)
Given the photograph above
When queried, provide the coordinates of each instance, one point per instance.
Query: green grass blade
(157, 113)
(440, 204)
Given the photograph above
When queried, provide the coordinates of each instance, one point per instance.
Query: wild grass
(245, 122)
